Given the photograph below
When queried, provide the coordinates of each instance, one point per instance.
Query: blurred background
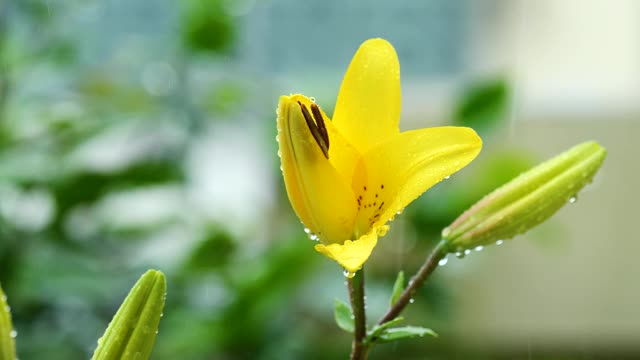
(141, 134)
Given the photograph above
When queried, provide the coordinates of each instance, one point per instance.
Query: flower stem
(416, 282)
(356, 294)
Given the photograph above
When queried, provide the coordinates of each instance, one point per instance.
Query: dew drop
(443, 261)
(314, 237)
(479, 248)
(573, 199)
(313, 100)
(499, 242)
(348, 274)
(460, 255)
(279, 153)
(467, 252)
(447, 177)
(13, 334)
(278, 138)
(411, 301)
(399, 212)
(307, 230)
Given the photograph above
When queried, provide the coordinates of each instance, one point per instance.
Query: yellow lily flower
(347, 177)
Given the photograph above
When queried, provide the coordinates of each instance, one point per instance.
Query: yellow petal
(353, 253)
(368, 107)
(321, 198)
(393, 174)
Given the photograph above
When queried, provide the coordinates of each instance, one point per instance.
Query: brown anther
(317, 115)
(321, 140)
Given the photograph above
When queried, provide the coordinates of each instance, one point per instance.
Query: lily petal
(395, 173)
(310, 178)
(353, 253)
(368, 107)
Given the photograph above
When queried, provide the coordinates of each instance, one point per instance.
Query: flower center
(371, 204)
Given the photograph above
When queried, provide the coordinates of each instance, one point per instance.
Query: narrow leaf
(405, 332)
(374, 334)
(344, 316)
(398, 286)
(133, 330)
(7, 334)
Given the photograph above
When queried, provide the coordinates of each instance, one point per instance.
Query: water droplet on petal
(499, 242)
(467, 252)
(443, 261)
(307, 230)
(479, 248)
(313, 100)
(13, 334)
(447, 177)
(277, 138)
(573, 199)
(460, 255)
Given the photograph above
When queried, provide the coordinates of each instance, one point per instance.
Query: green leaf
(374, 334)
(133, 330)
(398, 286)
(344, 316)
(483, 106)
(405, 332)
(7, 334)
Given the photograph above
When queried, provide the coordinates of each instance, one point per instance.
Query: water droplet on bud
(479, 248)
(499, 242)
(573, 199)
(443, 261)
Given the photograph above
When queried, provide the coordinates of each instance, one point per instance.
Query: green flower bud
(133, 330)
(7, 334)
(527, 200)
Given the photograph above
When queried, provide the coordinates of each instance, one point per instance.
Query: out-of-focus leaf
(207, 26)
(406, 332)
(7, 334)
(398, 286)
(212, 253)
(133, 330)
(343, 316)
(483, 106)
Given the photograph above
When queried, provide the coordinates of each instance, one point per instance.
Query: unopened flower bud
(133, 330)
(527, 200)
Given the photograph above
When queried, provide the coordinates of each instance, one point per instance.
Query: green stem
(416, 282)
(356, 294)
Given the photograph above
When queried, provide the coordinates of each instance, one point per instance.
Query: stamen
(315, 131)
(317, 114)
